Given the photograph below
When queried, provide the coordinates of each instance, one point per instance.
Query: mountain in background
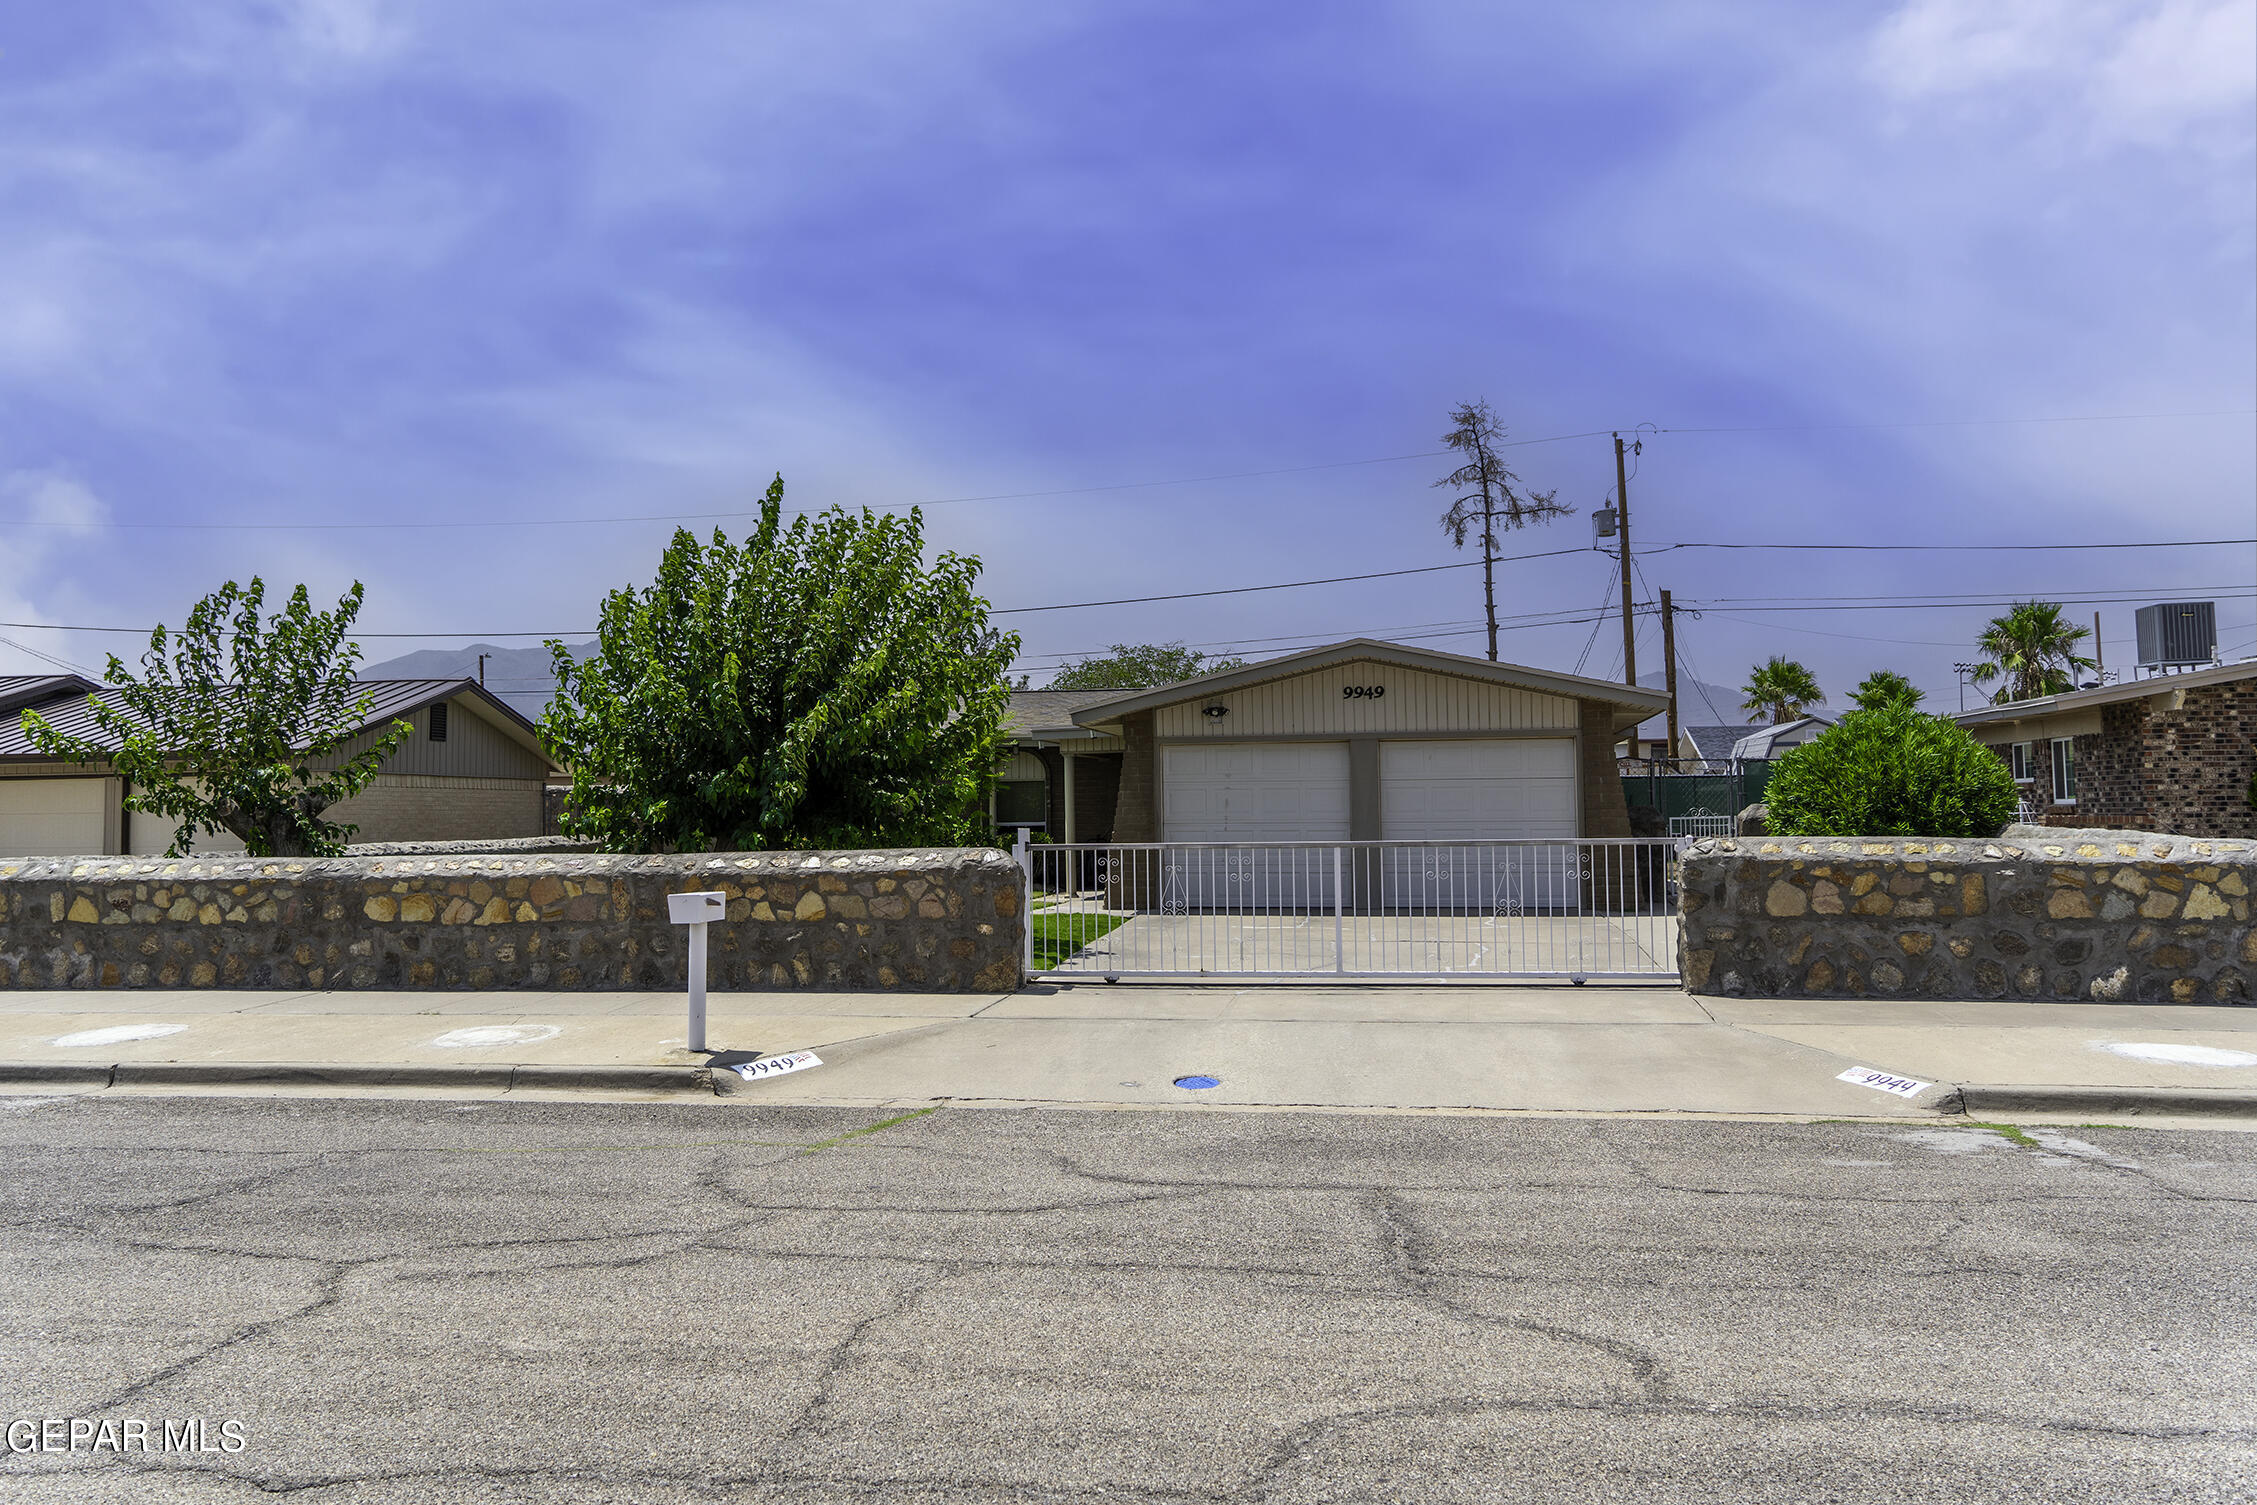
(1700, 704)
(519, 677)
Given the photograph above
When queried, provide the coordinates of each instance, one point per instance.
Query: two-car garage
(1369, 742)
(1457, 789)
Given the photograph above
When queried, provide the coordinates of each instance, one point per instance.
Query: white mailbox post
(696, 911)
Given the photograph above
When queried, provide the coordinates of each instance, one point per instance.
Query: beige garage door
(1452, 796)
(52, 817)
(1255, 796)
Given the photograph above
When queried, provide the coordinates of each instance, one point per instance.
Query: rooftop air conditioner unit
(2177, 634)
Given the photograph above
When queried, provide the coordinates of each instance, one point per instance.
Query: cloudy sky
(1178, 295)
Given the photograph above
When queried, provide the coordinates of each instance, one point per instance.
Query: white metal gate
(1549, 907)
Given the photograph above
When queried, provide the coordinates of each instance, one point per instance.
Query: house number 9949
(1362, 692)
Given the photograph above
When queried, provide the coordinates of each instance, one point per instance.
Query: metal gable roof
(19, 690)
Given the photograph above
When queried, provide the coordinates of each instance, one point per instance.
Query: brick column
(1605, 812)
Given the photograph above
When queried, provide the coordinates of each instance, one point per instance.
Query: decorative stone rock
(552, 920)
(2106, 917)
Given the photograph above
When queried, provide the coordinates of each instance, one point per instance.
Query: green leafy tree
(1782, 689)
(233, 720)
(1488, 500)
(1139, 666)
(816, 686)
(1883, 688)
(1890, 772)
(2033, 649)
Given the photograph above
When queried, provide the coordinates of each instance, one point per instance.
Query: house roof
(19, 690)
(1715, 743)
(2130, 689)
(1633, 705)
(1759, 742)
(1037, 712)
(66, 709)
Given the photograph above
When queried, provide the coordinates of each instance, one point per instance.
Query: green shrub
(1890, 772)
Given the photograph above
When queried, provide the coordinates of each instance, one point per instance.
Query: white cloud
(2138, 73)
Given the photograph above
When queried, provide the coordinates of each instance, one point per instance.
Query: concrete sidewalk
(1587, 1049)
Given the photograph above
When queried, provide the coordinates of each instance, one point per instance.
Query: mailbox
(697, 911)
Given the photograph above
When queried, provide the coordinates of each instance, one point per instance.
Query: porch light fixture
(1216, 711)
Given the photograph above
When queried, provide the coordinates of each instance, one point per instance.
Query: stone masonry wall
(2081, 916)
(931, 920)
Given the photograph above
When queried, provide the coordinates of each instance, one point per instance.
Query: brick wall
(409, 807)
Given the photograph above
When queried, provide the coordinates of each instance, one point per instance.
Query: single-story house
(2173, 753)
(1767, 742)
(1359, 741)
(472, 769)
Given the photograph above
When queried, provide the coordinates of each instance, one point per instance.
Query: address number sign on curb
(1881, 1081)
(798, 1060)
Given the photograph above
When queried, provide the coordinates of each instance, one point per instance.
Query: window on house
(2019, 756)
(2064, 771)
(1022, 802)
(439, 722)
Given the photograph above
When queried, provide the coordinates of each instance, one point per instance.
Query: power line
(1240, 590)
(1940, 423)
(1958, 548)
(689, 517)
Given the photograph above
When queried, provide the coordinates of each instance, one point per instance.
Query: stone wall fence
(931, 920)
(2086, 916)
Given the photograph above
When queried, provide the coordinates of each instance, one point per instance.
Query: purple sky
(346, 261)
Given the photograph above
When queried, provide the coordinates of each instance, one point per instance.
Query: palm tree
(1884, 688)
(1783, 688)
(2034, 649)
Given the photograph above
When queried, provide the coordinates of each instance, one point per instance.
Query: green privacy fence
(1713, 794)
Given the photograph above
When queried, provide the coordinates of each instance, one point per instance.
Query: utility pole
(1669, 665)
(1629, 627)
(2099, 654)
(482, 670)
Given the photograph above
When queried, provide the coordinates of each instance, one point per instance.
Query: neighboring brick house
(472, 769)
(2174, 753)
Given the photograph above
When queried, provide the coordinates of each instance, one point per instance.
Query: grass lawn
(1058, 936)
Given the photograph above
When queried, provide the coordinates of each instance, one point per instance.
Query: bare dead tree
(1488, 496)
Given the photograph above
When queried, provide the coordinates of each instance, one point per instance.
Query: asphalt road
(592, 1302)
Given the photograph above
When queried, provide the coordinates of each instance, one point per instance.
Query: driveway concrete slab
(1601, 1067)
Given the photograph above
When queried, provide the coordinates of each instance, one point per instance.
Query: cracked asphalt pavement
(550, 1302)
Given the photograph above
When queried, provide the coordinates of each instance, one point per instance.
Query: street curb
(1978, 1101)
(498, 1078)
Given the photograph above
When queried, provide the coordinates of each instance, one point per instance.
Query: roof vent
(2177, 634)
(439, 722)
